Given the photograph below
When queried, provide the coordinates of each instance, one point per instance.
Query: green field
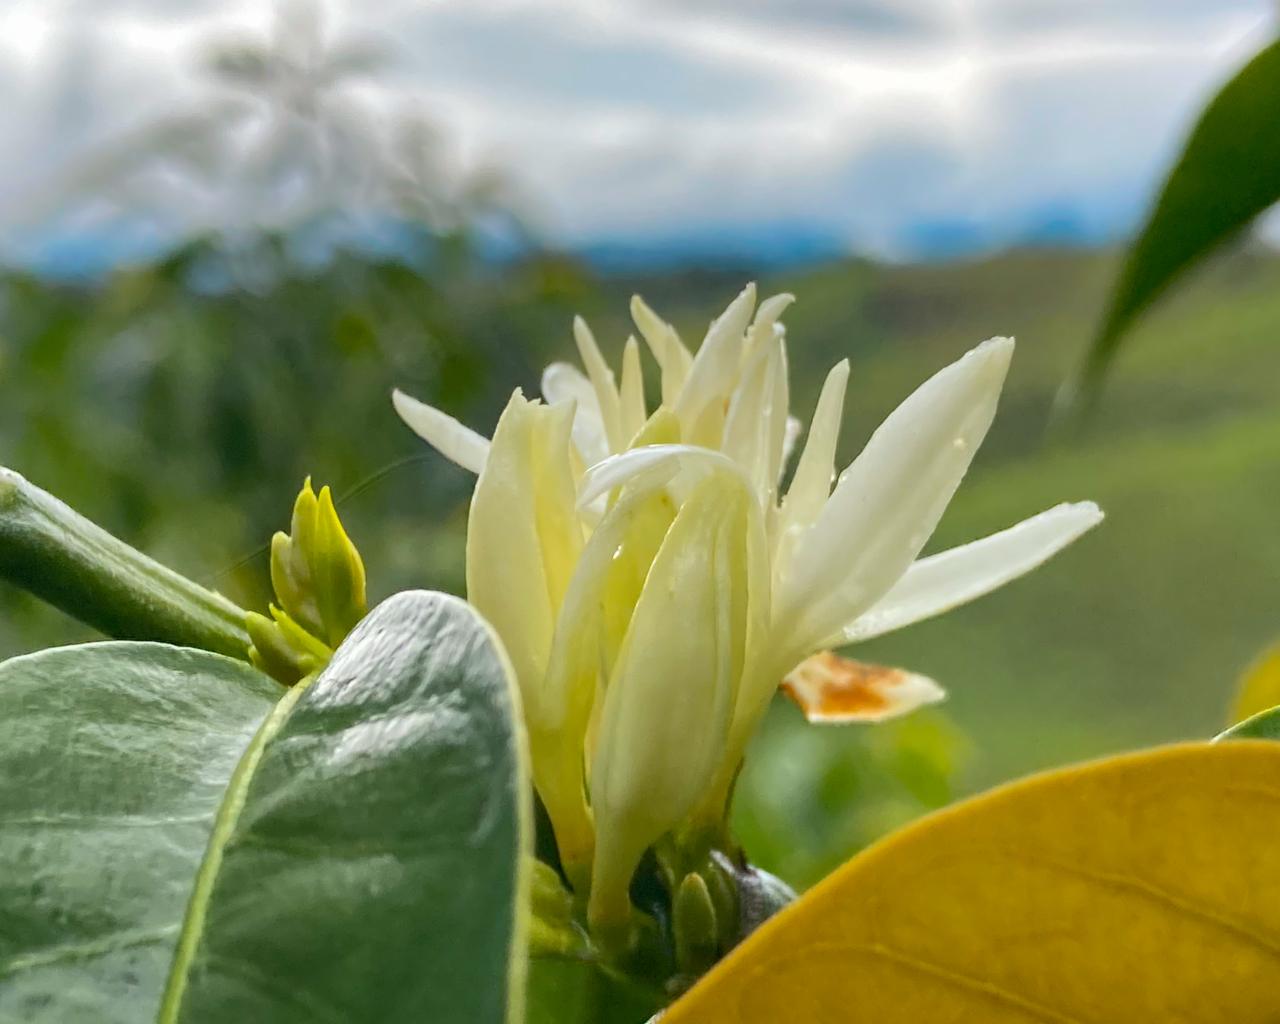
(185, 422)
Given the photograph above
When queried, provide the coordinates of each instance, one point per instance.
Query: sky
(897, 128)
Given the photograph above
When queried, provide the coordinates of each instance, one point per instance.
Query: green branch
(58, 555)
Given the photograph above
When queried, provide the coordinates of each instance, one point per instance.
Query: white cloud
(892, 124)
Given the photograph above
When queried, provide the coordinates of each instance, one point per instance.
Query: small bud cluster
(319, 582)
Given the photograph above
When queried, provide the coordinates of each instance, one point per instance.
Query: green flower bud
(271, 653)
(290, 566)
(318, 578)
(337, 573)
(694, 926)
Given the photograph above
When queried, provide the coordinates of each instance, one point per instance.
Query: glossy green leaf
(370, 862)
(1265, 725)
(1228, 173)
(113, 761)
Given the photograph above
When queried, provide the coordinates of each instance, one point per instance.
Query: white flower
(654, 589)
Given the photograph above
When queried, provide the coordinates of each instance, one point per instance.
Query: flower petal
(714, 372)
(789, 438)
(755, 424)
(602, 382)
(658, 463)
(632, 410)
(835, 690)
(523, 535)
(672, 357)
(943, 581)
(887, 503)
(779, 418)
(564, 382)
(446, 435)
(765, 327)
(600, 600)
(811, 485)
(592, 622)
(668, 706)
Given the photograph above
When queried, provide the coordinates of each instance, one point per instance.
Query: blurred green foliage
(182, 416)
(181, 405)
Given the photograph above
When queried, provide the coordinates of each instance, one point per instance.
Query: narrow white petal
(789, 438)
(756, 424)
(888, 502)
(746, 426)
(779, 413)
(675, 369)
(943, 581)
(811, 484)
(602, 382)
(446, 435)
(652, 328)
(716, 365)
(631, 396)
(564, 382)
(833, 690)
(765, 326)
(658, 463)
(672, 357)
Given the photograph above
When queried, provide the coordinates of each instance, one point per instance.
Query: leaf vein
(958, 979)
(1163, 897)
(97, 947)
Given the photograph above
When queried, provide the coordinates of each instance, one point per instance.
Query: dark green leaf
(1265, 725)
(1228, 173)
(114, 757)
(371, 865)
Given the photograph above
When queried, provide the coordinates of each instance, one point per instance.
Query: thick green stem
(54, 552)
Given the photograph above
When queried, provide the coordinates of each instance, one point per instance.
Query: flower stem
(55, 553)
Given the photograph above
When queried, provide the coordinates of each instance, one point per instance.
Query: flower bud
(694, 925)
(318, 578)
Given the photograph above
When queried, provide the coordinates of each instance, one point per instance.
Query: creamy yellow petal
(765, 327)
(668, 706)
(668, 350)
(522, 534)
(755, 427)
(602, 382)
(593, 617)
(563, 382)
(632, 410)
(816, 469)
(715, 370)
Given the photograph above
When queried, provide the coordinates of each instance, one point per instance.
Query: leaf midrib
(206, 877)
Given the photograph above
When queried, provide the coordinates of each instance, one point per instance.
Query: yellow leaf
(1259, 687)
(1133, 890)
